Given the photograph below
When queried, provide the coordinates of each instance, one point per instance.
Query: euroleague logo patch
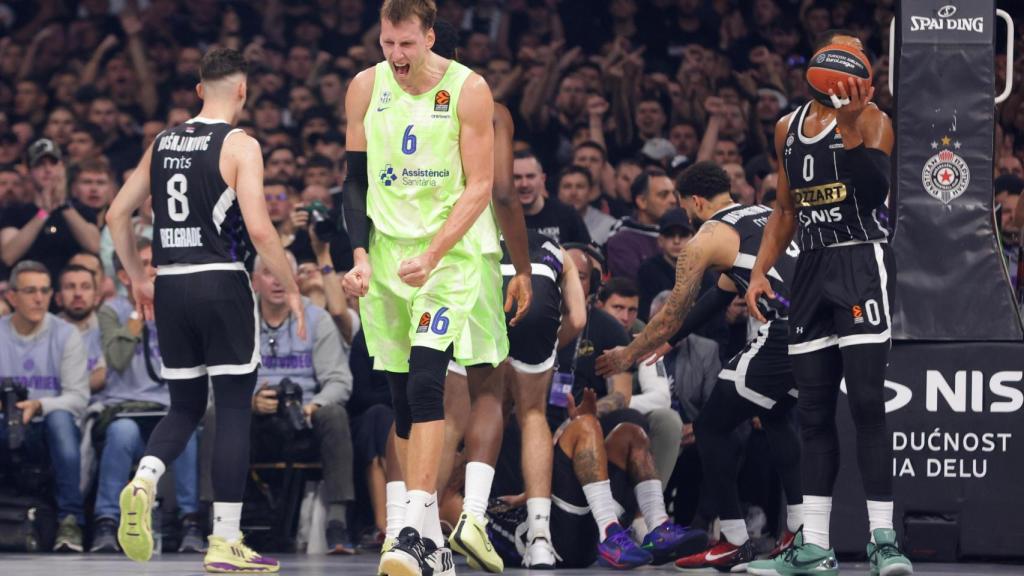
(945, 175)
(424, 324)
(441, 101)
(858, 314)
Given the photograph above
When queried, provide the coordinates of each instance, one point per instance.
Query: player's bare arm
(241, 165)
(357, 100)
(509, 212)
(620, 390)
(119, 219)
(716, 303)
(779, 230)
(714, 246)
(476, 146)
(574, 303)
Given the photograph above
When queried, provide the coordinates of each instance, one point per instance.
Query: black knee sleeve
(188, 405)
(818, 375)
(865, 382)
(427, 370)
(232, 397)
(399, 384)
(719, 446)
(785, 449)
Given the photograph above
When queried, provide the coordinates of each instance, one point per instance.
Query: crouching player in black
(757, 382)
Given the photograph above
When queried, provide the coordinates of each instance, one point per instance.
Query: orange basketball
(833, 64)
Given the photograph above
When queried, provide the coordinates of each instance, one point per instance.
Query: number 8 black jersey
(196, 218)
(828, 208)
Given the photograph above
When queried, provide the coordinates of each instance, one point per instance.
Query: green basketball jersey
(412, 152)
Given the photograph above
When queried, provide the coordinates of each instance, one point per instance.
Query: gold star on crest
(946, 140)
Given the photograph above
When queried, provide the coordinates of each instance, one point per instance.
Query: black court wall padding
(951, 280)
(954, 414)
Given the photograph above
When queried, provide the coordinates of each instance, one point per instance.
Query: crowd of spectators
(611, 100)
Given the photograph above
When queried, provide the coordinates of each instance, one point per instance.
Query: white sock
(879, 516)
(638, 529)
(395, 508)
(150, 468)
(417, 503)
(227, 520)
(652, 503)
(794, 517)
(478, 488)
(735, 531)
(602, 505)
(432, 524)
(817, 510)
(538, 518)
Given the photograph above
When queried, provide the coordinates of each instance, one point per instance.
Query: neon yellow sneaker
(470, 539)
(233, 556)
(134, 533)
(389, 543)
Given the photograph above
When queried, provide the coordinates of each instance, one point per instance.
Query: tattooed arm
(620, 390)
(714, 246)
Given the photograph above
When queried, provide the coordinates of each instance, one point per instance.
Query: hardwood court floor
(363, 564)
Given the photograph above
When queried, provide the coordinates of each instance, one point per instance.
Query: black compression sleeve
(354, 200)
(712, 302)
(870, 168)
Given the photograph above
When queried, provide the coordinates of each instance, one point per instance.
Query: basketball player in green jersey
(421, 168)
(481, 427)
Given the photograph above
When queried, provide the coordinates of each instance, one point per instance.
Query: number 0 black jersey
(828, 208)
(196, 218)
(749, 223)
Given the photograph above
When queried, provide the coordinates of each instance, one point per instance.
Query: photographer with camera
(300, 401)
(319, 236)
(47, 356)
(135, 395)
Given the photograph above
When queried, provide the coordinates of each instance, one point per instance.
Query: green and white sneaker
(885, 556)
(800, 559)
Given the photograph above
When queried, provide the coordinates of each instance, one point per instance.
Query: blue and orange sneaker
(619, 551)
(670, 541)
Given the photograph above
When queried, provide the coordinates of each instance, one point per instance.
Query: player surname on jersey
(181, 237)
(179, 143)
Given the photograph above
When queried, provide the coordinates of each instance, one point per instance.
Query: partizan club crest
(945, 175)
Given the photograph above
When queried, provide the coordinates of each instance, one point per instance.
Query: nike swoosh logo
(379, 109)
(712, 557)
(613, 557)
(429, 505)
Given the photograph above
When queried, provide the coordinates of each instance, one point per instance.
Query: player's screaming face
(406, 45)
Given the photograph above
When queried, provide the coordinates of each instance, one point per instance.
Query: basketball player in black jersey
(757, 382)
(833, 178)
(206, 180)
